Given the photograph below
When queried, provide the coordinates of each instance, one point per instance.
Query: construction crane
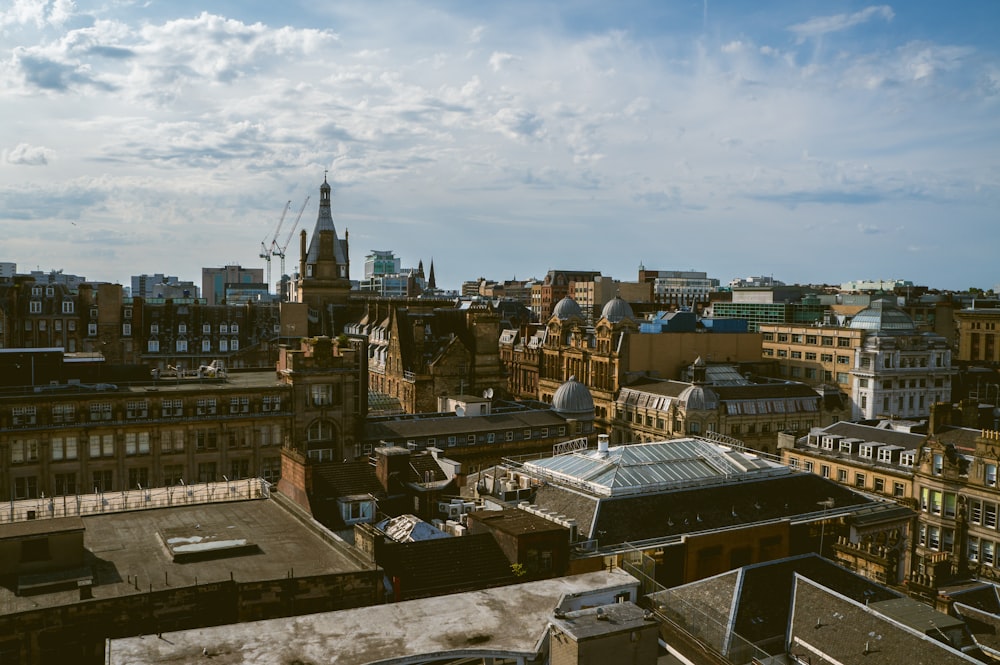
(279, 250)
(266, 248)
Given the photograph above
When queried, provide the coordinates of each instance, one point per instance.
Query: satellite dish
(489, 393)
(459, 410)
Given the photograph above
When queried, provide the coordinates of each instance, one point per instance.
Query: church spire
(431, 283)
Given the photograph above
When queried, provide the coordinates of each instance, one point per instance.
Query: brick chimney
(390, 460)
(940, 417)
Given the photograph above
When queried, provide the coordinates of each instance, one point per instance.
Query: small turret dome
(699, 398)
(567, 308)
(617, 309)
(573, 399)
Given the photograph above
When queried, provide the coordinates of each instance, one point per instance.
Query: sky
(817, 142)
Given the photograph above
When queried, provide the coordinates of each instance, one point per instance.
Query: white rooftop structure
(653, 467)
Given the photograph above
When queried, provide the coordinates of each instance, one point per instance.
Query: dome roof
(573, 398)
(699, 398)
(617, 309)
(882, 316)
(566, 308)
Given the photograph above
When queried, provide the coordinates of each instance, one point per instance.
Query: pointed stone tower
(324, 269)
(431, 282)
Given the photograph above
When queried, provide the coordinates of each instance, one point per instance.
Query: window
(138, 477)
(182, 346)
(63, 448)
(92, 330)
(937, 464)
(322, 394)
(206, 440)
(826, 357)
(782, 337)
(205, 406)
(137, 408)
(100, 411)
(65, 484)
(239, 468)
(223, 329)
(35, 307)
(23, 450)
(990, 512)
(154, 329)
(879, 484)
(859, 480)
(797, 355)
(101, 445)
(898, 490)
(843, 342)
(991, 475)
(270, 469)
(153, 346)
(824, 470)
(842, 377)
(223, 345)
(206, 345)
(206, 472)
(809, 466)
(67, 307)
(490, 437)
(452, 441)
(137, 443)
(23, 415)
(271, 403)
(126, 330)
(509, 435)
(234, 344)
(182, 329)
(973, 548)
(320, 430)
(827, 341)
(239, 405)
(843, 360)
(173, 474)
(206, 328)
(987, 550)
(470, 439)
(171, 441)
(26, 487)
(234, 328)
(526, 434)
(172, 408)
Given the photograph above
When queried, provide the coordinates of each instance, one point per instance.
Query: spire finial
(325, 171)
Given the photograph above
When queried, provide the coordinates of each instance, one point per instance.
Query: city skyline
(818, 142)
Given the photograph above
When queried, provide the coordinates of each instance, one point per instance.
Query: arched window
(320, 441)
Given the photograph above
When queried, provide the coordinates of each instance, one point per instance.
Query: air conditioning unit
(444, 507)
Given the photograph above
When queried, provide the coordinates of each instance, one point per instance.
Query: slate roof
(852, 634)
(443, 426)
(984, 626)
(819, 609)
(755, 600)
(643, 517)
(337, 479)
(613, 521)
(907, 440)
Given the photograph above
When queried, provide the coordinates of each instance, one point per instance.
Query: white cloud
(822, 25)
(499, 60)
(28, 155)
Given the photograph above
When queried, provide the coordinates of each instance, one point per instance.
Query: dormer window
(309, 270)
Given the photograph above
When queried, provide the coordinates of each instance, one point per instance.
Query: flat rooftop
(129, 551)
(503, 622)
